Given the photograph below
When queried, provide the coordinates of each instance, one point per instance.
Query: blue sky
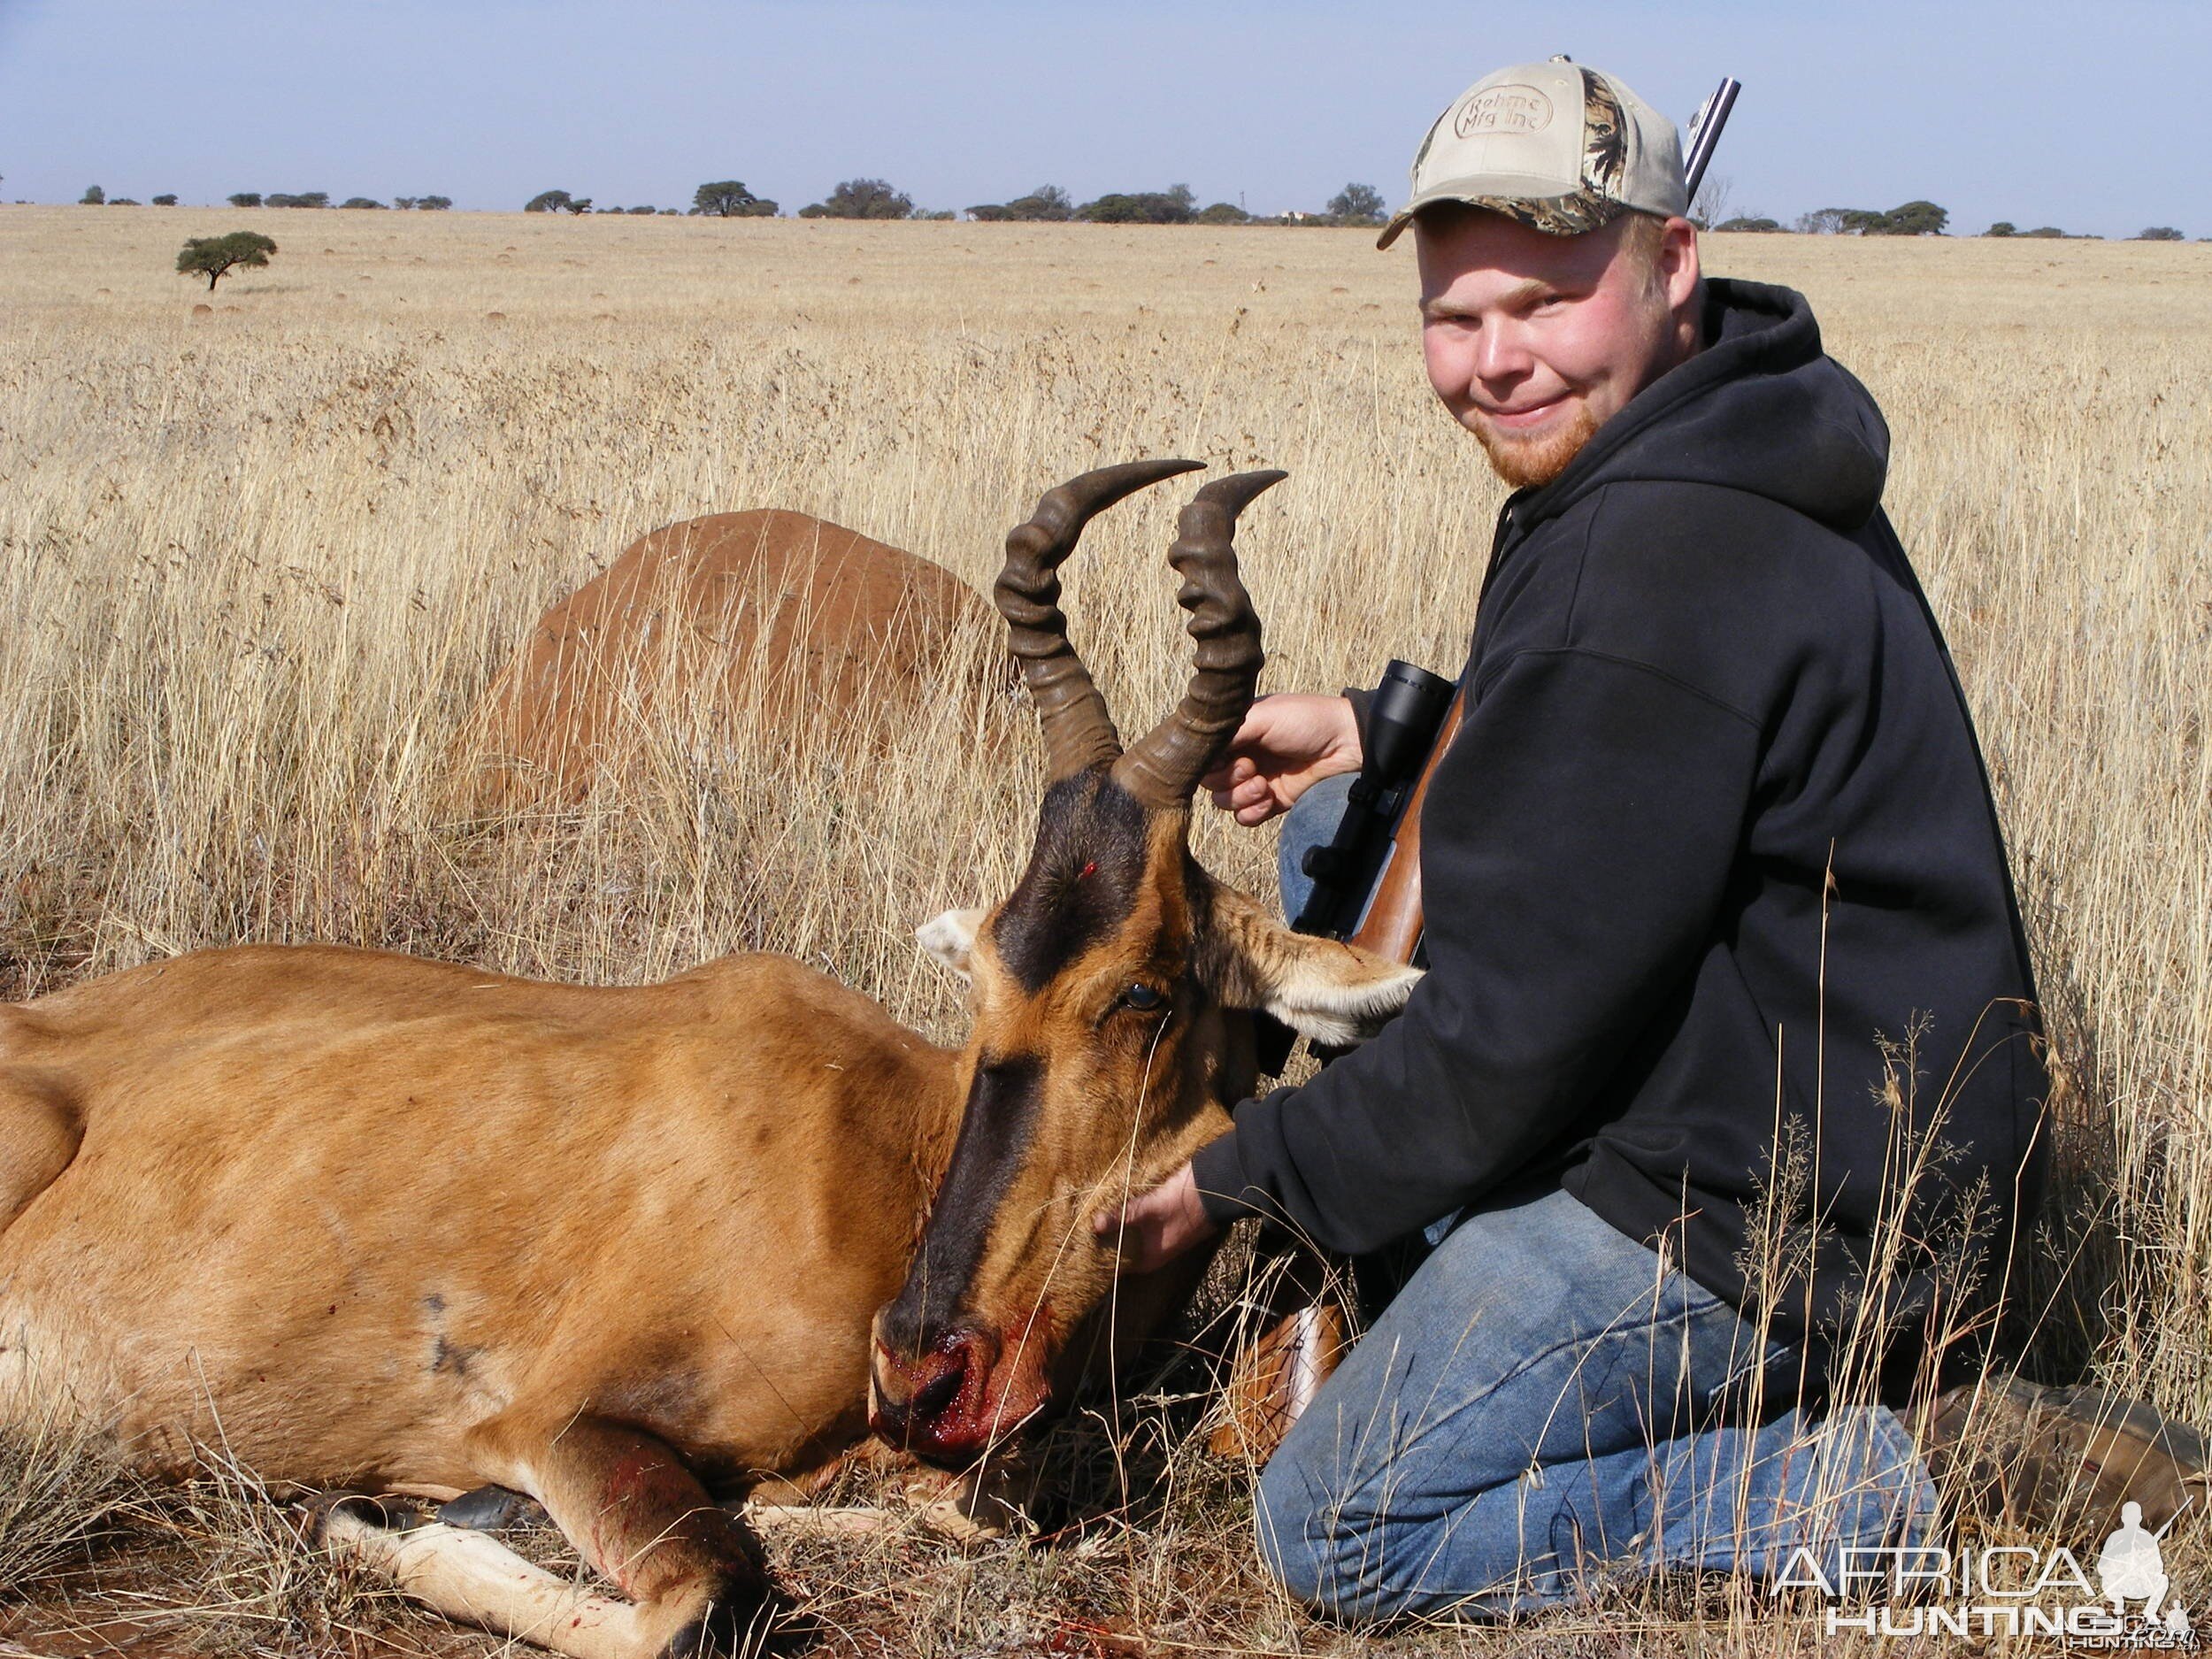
(2087, 117)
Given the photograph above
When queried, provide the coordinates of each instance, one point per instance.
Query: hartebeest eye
(1143, 998)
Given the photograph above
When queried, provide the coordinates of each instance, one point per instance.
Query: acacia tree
(861, 198)
(728, 198)
(213, 257)
(94, 196)
(1357, 204)
(1046, 202)
(1913, 218)
(548, 202)
(1175, 205)
(246, 198)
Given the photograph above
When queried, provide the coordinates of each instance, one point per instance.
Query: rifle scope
(1403, 713)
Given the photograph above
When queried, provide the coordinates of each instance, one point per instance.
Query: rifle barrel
(1712, 115)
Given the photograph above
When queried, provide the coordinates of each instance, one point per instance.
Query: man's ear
(1329, 991)
(950, 937)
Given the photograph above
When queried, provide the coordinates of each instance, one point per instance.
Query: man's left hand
(1157, 1226)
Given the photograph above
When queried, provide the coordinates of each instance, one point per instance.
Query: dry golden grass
(255, 565)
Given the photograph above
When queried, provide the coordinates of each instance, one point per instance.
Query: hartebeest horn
(1078, 731)
(1164, 769)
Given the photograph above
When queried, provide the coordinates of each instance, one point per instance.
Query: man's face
(1534, 342)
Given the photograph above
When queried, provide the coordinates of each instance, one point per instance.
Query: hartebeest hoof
(491, 1510)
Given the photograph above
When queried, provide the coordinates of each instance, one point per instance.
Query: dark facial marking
(1081, 882)
(995, 1134)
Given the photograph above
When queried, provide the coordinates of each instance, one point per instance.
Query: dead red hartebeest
(379, 1221)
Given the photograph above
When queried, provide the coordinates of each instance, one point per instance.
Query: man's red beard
(1537, 459)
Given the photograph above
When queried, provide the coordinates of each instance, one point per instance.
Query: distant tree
(1224, 213)
(359, 201)
(309, 198)
(1357, 204)
(167, 200)
(1116, 207)
(94, 196)
(2161, 233)
(579, 204)
(1749, 222)
(548, 201)
(246, 198)
(211, 257)
(1822, 221)
(122, 201)
(1713, 198)
(861, 198)
(405, 204)
(2046, 232)
(1046, 202)
(2003, 227)
(1175, 205)
(642, 209)
(433, 203)
(728, 198)
(1915, 219)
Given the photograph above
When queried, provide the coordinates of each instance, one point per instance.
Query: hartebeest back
(391, 1221)
(763, 620)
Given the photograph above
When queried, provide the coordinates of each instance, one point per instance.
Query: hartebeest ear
(1331, 992)
(950, 937)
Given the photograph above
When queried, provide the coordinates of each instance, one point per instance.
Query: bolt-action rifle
(1367, 890)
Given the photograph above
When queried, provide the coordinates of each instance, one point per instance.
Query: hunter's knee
(1306, 1543)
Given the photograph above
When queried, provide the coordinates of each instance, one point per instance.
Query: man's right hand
(1287, 743)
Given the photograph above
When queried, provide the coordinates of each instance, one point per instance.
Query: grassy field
(256, 564)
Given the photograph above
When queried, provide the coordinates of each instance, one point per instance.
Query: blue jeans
(1311, 822)
(1547, 1406)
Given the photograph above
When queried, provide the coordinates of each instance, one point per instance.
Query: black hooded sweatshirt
(1719, 925)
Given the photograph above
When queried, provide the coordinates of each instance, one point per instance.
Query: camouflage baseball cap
(1560, 148)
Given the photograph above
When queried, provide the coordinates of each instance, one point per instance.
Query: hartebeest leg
(632, 1509)
(478, 1580)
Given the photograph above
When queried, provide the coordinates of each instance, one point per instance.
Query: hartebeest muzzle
(944, 1384)
(1092, 1008)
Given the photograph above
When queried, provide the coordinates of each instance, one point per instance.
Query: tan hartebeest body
(765, 617)
(365, 1218)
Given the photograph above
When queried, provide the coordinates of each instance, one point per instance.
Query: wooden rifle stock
(1393, 924)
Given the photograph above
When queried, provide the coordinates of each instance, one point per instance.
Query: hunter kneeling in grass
(1715, 1262)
